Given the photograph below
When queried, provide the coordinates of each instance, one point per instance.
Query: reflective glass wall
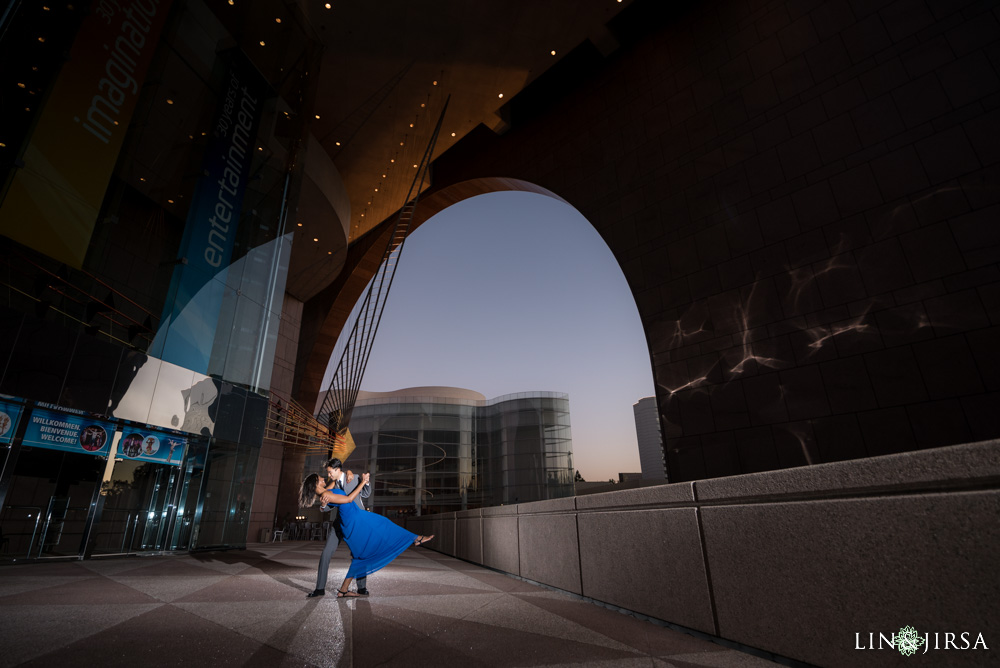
(438, 454)
(149, 169)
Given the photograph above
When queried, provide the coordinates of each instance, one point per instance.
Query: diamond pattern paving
(248, 608)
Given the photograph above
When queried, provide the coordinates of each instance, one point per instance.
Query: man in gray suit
(347, 482)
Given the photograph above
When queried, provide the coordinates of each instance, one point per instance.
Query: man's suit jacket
(348, 488)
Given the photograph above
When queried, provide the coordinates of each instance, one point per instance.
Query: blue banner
(9, 414)
(74, 433)
(152, 446)
(191, 316)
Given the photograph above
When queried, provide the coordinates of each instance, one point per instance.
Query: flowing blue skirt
(374, 540)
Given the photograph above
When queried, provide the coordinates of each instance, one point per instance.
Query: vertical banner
(53, 201)
(74, 433)
(9, 415)
(191, 315)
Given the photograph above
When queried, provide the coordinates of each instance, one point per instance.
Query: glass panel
(45, 512)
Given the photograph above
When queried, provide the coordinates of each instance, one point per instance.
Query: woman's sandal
(347, 594)
(422, 539)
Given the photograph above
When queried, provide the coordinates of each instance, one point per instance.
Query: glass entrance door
(137, 507)
(48, 504)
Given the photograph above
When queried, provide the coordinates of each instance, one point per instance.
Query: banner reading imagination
(54, 199)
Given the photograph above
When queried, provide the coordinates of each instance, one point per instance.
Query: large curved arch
(326, 314)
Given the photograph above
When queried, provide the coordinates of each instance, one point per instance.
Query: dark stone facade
(804, 199)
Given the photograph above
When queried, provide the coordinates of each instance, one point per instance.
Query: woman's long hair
(307, 495)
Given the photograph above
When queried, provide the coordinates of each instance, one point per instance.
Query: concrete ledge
(794, 562)
(500, 511)
(801, 579)
(500, 544)
(939, 467)
(469, 537)
(567, 504)
(680, 493)
(649, 561)
(549, 550)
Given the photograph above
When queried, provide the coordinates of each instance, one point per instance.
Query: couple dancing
(374, 540)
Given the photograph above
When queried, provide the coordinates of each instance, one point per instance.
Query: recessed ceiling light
(435, 83)
(392, 160)
(337, 143)
(422, 105)
(328, 5)
(329, 252)
(501, 95)
(315, 239)
(262, 42)
(452, 134)
(317, 117)
(411, 125)
(414, 166)
(170, 201)
(169, 101)
(300, 224)
(553, 52)
(142, 178)
(41, 39)
(20, 85)
(277, 20)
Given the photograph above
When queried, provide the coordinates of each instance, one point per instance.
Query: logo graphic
(908, 641)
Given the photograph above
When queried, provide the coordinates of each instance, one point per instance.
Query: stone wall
(793, 562)
(803, 197)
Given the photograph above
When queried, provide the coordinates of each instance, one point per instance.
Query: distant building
(438, 449)
(647, 432)
(628, 477)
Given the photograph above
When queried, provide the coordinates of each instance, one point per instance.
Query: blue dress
(374, 540)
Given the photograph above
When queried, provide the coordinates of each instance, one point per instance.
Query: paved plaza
(248, 608)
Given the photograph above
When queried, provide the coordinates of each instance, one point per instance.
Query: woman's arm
(340, 499)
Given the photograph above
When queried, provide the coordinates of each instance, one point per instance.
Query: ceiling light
(20, 85)
(300, 224)
(422, 105)
(376, 190)
(329, 252)
(170, 201)
(414, 166)
(553, 52)
(435, 83)
(317, 117)
(383, 176)
(400, 143)
(2, 145)
(142, 178)
(260, 148)
(501, 95)
(262, 42)
(392, 160)
(315, 239)
(328, 5)
(411, 125)
(338, 143)
(452, 134)
(169, 101)
(41, 39)
(232, 2)
(277, 20)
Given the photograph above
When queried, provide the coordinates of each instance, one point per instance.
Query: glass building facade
(148, 170)
(438, 449)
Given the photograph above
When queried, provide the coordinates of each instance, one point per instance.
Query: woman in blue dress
(374, 540)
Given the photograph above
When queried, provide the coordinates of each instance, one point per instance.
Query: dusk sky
(516, 292)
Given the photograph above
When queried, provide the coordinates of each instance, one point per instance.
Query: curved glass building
(437, 449)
